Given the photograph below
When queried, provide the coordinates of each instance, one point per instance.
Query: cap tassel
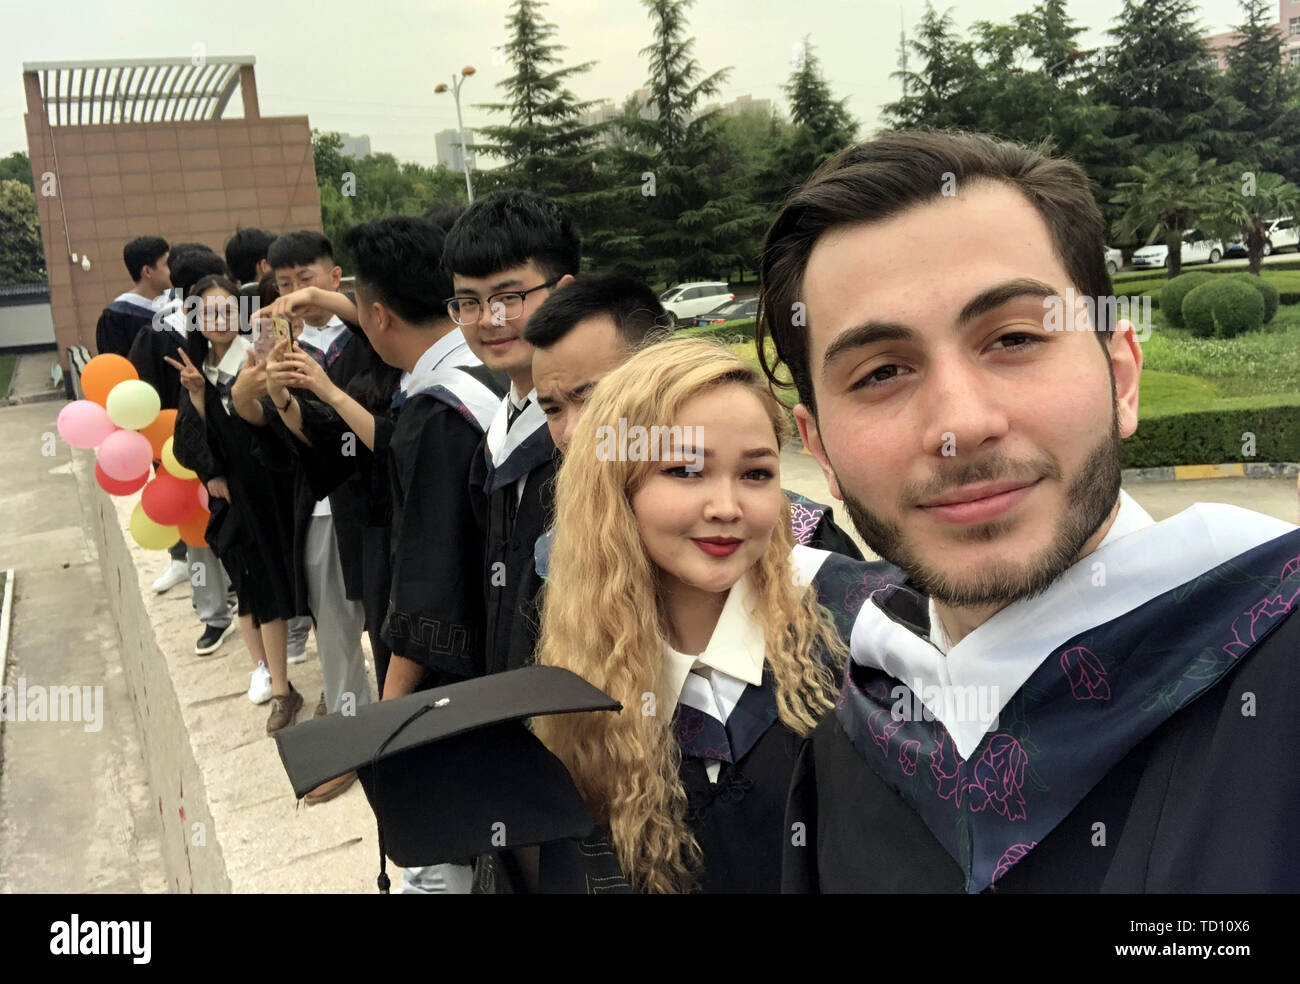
(383, 881)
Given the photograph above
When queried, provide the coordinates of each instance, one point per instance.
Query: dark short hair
(633, 307)
(191, 262)
(244, 249)
(141, 252)
(267, 290)
(507, 229)
(295, 249)
(444, 216)
(398, 262)
(878, 179)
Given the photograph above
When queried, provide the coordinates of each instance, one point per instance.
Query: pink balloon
(203, 496)
(125, 454)
(83, 424)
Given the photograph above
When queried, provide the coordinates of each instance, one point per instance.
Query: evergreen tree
(545, 145)
(1264, 94)
(22, 258)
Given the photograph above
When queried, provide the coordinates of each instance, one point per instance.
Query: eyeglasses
(505, 306)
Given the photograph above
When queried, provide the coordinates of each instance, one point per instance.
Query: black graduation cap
(453, 772)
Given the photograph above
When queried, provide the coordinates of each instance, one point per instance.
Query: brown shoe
(321, 709)
(328, 790)
(283, 710)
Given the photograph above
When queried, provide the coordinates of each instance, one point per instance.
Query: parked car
(1196, 249)
(1281, 234)
(685, 301)
(1114, 260)
(728, 311)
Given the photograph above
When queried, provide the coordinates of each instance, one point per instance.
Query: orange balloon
(193, 529)
(163, 426)
(102, 373)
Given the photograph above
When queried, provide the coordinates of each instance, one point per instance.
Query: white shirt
(321, 339)
(228, 368)
(714, 680)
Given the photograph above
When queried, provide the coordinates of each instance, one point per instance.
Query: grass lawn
(1261, 362)
(8, 363)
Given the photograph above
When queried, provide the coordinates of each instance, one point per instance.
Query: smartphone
(282, 333)
(263, 338)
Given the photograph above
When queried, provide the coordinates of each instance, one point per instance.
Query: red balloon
(168, 500)
(193, 530)
(113, 487)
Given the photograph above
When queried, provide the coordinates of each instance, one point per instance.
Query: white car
(685, 301)
(1281, 233)
(1196, 249)
(1114, 260)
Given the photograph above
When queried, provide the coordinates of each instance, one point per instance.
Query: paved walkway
(75, 809)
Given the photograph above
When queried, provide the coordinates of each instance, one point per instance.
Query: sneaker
(259, 684)
(176, 573)
(326, 791)
(299, 657)
(212, 638)
(321, 709)
(283, 710)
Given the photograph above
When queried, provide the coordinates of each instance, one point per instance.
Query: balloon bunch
(121, 418)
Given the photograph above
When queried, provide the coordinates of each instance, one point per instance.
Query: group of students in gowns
(789, 711)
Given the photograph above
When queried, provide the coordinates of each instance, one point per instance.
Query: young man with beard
(507, 253)
(1054, 693)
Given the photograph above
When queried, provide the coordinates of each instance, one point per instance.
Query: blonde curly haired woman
(674, 584)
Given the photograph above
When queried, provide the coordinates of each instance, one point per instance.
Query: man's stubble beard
(1090, 498)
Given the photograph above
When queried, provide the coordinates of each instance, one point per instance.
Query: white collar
(1130, 518)
(230, 363)
(503, 438)
(518, 401)
(450, 349)
(736, 649)
(323, 337)
(967, 689)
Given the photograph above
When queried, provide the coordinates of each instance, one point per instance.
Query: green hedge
(1224, 308)
(1171, 297)
(1266, 290)
(1213, 435)
(728, 331)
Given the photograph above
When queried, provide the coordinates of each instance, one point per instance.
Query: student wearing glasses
(507, 253)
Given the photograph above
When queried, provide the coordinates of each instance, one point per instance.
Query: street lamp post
(456, 83)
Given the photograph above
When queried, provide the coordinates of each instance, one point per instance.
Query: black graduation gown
(436, 605)
(1204, 803)
(251, 535)
(147, 353)
(118, 326)
(511, 581)
(313, 475)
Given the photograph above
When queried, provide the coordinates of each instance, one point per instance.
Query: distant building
(450, 151)
(1288, 30)
(747, 104)
(357, 147)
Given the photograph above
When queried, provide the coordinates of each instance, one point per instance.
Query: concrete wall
(206, 752)
(26, 324)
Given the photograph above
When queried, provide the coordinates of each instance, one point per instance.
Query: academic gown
(314, 473)
(511, 581)
(436, 605)
(147, 353)
(252, 534)
(121, 322)
(738, 821)
(1153, 751)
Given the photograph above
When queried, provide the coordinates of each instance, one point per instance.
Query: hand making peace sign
(191, 378)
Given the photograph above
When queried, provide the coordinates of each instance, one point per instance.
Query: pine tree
(821, 126)
(545, 145)
(1264, 94)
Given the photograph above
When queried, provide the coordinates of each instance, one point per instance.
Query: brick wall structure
(101, 184)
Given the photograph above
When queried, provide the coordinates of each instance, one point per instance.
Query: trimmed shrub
(1266, 290)
(1213, 435)
(728, 331)
(1225, 307)
(1171, 297)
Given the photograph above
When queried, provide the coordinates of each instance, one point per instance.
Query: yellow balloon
(132, 404)
(173, 466)
(149, 534)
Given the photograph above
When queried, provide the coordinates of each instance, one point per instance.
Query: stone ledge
(207, 756)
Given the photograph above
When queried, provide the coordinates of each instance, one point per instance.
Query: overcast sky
(370, 68)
